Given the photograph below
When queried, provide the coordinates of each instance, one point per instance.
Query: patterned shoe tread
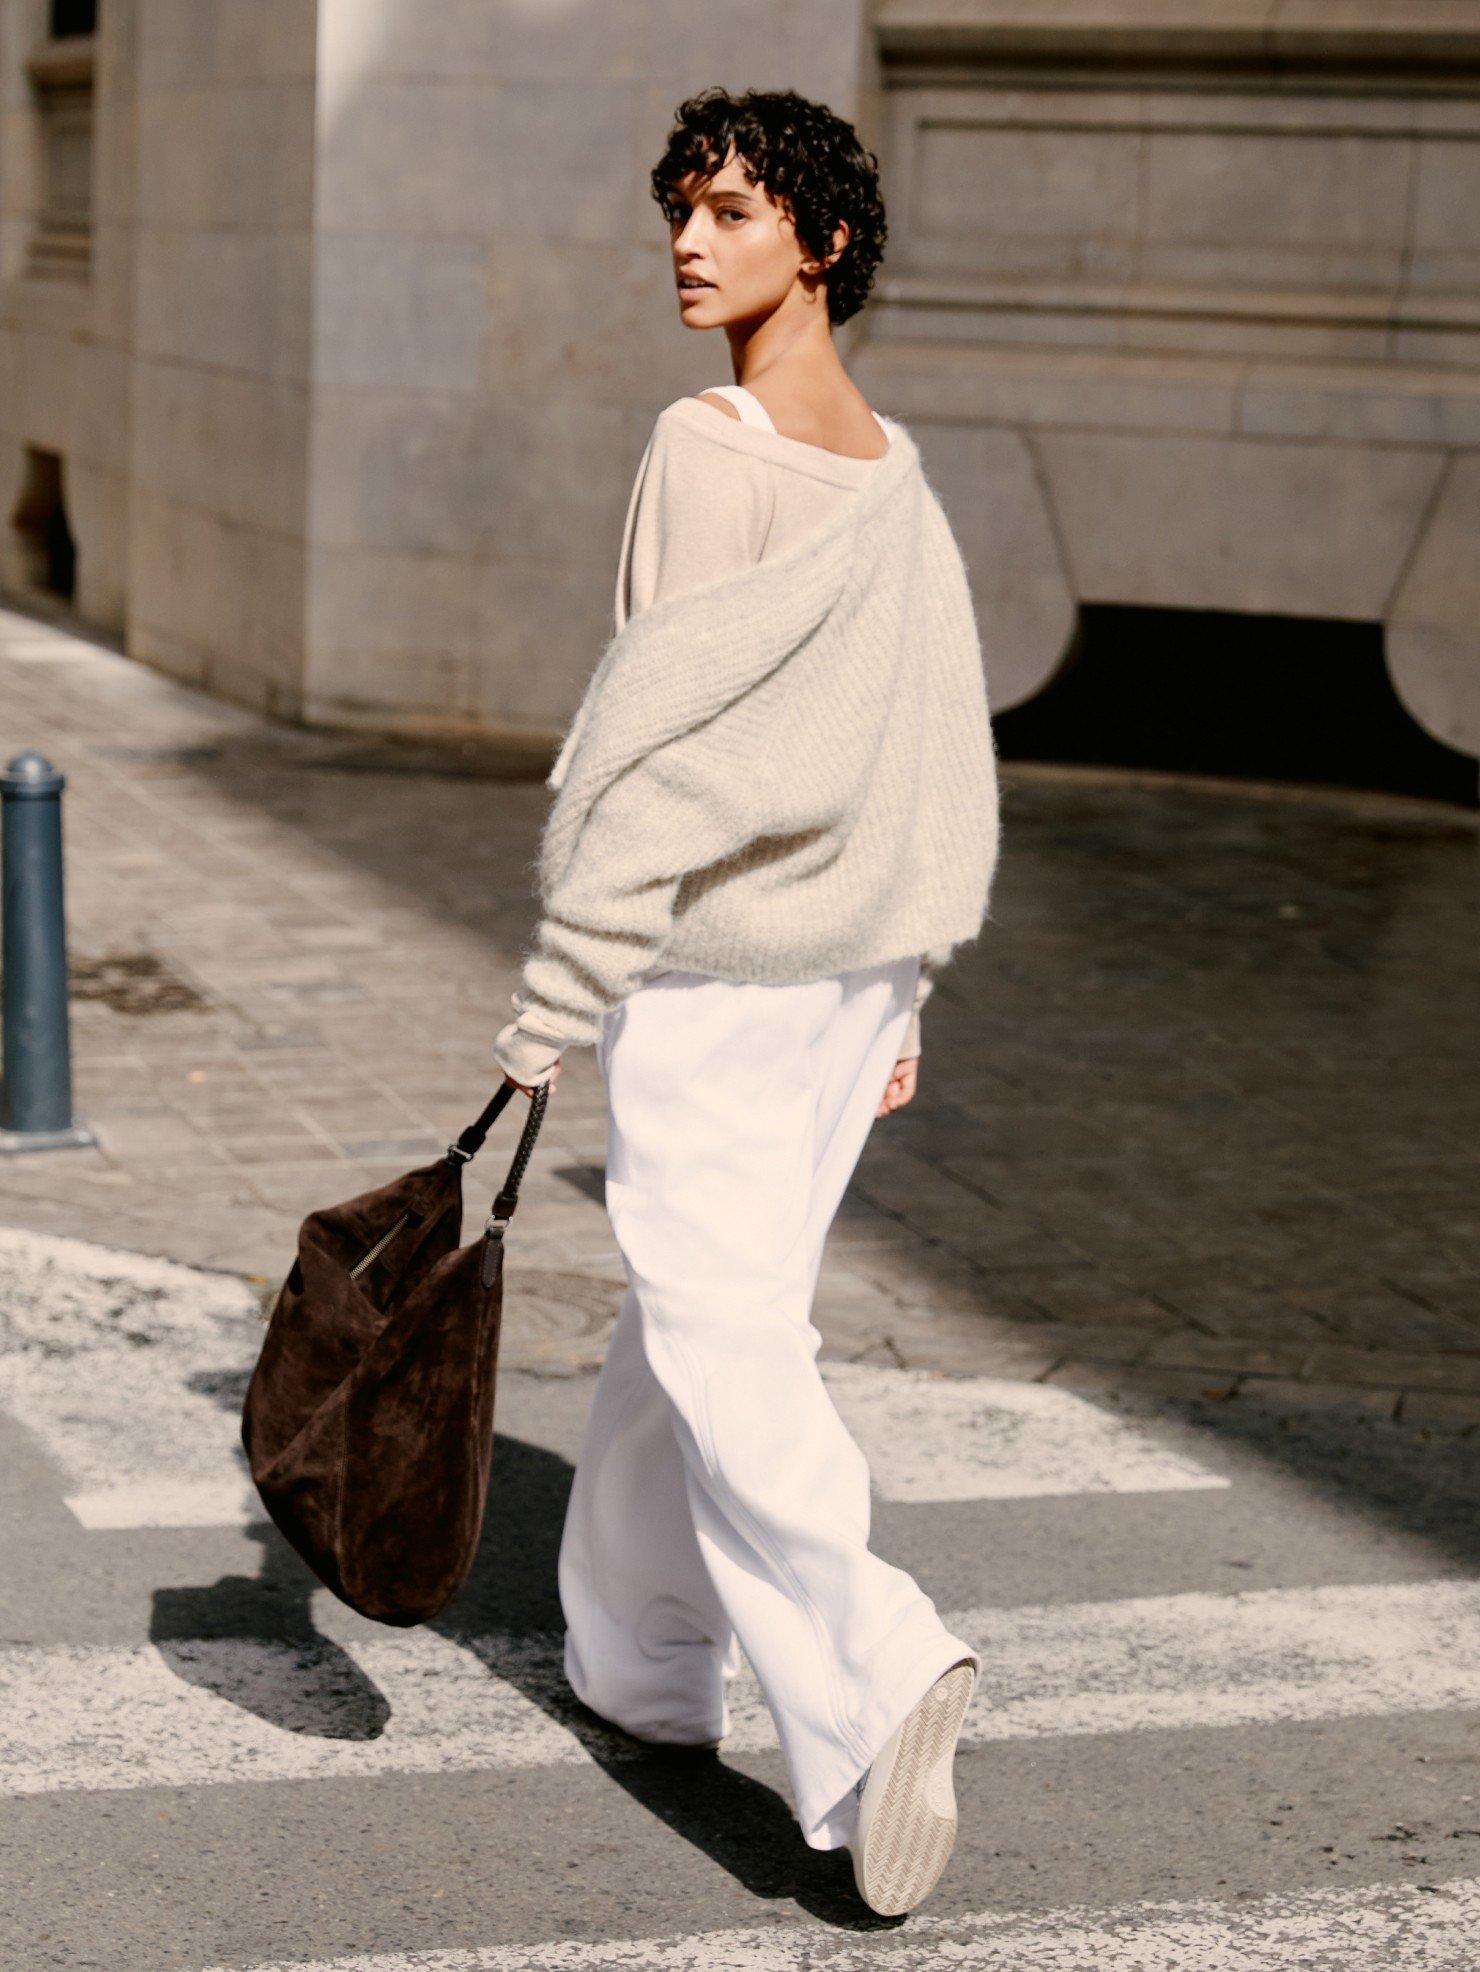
(913, 1828)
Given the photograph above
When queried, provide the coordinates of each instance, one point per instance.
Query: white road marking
(930, 1437)
(219, 1711)
(165, 1503)
(131, 1370)
(128, 1369)
(1379, 1927)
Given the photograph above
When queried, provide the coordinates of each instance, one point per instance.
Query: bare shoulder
(716, 403)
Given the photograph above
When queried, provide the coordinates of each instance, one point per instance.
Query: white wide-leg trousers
(719, 1502)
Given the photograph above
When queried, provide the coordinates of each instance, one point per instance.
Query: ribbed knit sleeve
(932, 964)
(698, 512)
(913, 1042)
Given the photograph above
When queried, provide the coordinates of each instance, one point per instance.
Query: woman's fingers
(902, 1085)
(528, 1089)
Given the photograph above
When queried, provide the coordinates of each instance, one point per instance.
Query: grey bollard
(36, 1094)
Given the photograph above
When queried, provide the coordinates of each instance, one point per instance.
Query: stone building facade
(331, 330)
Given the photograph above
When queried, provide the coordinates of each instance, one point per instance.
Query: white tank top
(753, 412)
(721, 523)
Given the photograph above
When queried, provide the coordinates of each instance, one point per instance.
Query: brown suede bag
(368, 1422)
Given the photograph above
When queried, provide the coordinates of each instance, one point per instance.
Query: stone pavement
(1199, 1114)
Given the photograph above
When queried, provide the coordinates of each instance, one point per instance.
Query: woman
(776, 816)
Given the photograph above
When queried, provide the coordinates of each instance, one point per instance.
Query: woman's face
(737, 240)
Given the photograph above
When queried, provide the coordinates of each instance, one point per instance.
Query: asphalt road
(1230, 1716)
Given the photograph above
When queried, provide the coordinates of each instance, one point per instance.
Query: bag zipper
(367, 1259)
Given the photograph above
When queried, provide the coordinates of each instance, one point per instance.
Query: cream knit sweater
(783, 764)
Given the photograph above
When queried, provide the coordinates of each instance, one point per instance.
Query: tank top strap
(753, 412)
(750, 407)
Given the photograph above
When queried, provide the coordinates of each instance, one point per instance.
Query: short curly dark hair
(802, 153)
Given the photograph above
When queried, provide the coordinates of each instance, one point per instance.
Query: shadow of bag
(368, 1421)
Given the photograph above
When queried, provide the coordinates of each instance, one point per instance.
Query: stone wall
(1182, 301)
(495, 330)
(1187, 300)
(66, 333)
(222, 342)
(168, 368)
(377, 315)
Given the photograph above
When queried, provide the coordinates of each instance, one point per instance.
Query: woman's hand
(901, 1087)
(528, 1089)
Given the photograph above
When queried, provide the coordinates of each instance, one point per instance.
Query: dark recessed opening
(1271, 698)
(71, 17)
(40, 520)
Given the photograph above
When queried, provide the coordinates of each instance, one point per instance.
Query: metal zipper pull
(368, 1259)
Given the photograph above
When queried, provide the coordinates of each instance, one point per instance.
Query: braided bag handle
(472, 1139)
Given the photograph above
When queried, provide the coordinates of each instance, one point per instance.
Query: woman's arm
(699, 512)
(526, 1050)
(932, 963)
(912, 1043)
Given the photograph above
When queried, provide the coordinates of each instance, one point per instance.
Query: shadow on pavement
(1419, 1483)
(508, 1618)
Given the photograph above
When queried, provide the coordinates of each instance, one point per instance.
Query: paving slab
(1202, 1102)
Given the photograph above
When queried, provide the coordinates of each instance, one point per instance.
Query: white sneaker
(907, 1800)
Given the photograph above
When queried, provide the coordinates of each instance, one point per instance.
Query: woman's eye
(677, 220)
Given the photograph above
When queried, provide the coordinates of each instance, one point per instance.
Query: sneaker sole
(907, 1814)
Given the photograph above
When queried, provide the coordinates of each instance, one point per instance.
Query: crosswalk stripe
(127, 1369)
(201, 1712)
(166, 1503)
(935, 1438)
(1380, 1927)
(149, 1436)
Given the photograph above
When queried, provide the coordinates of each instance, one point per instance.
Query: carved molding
(62, 76)
(1382, 37)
